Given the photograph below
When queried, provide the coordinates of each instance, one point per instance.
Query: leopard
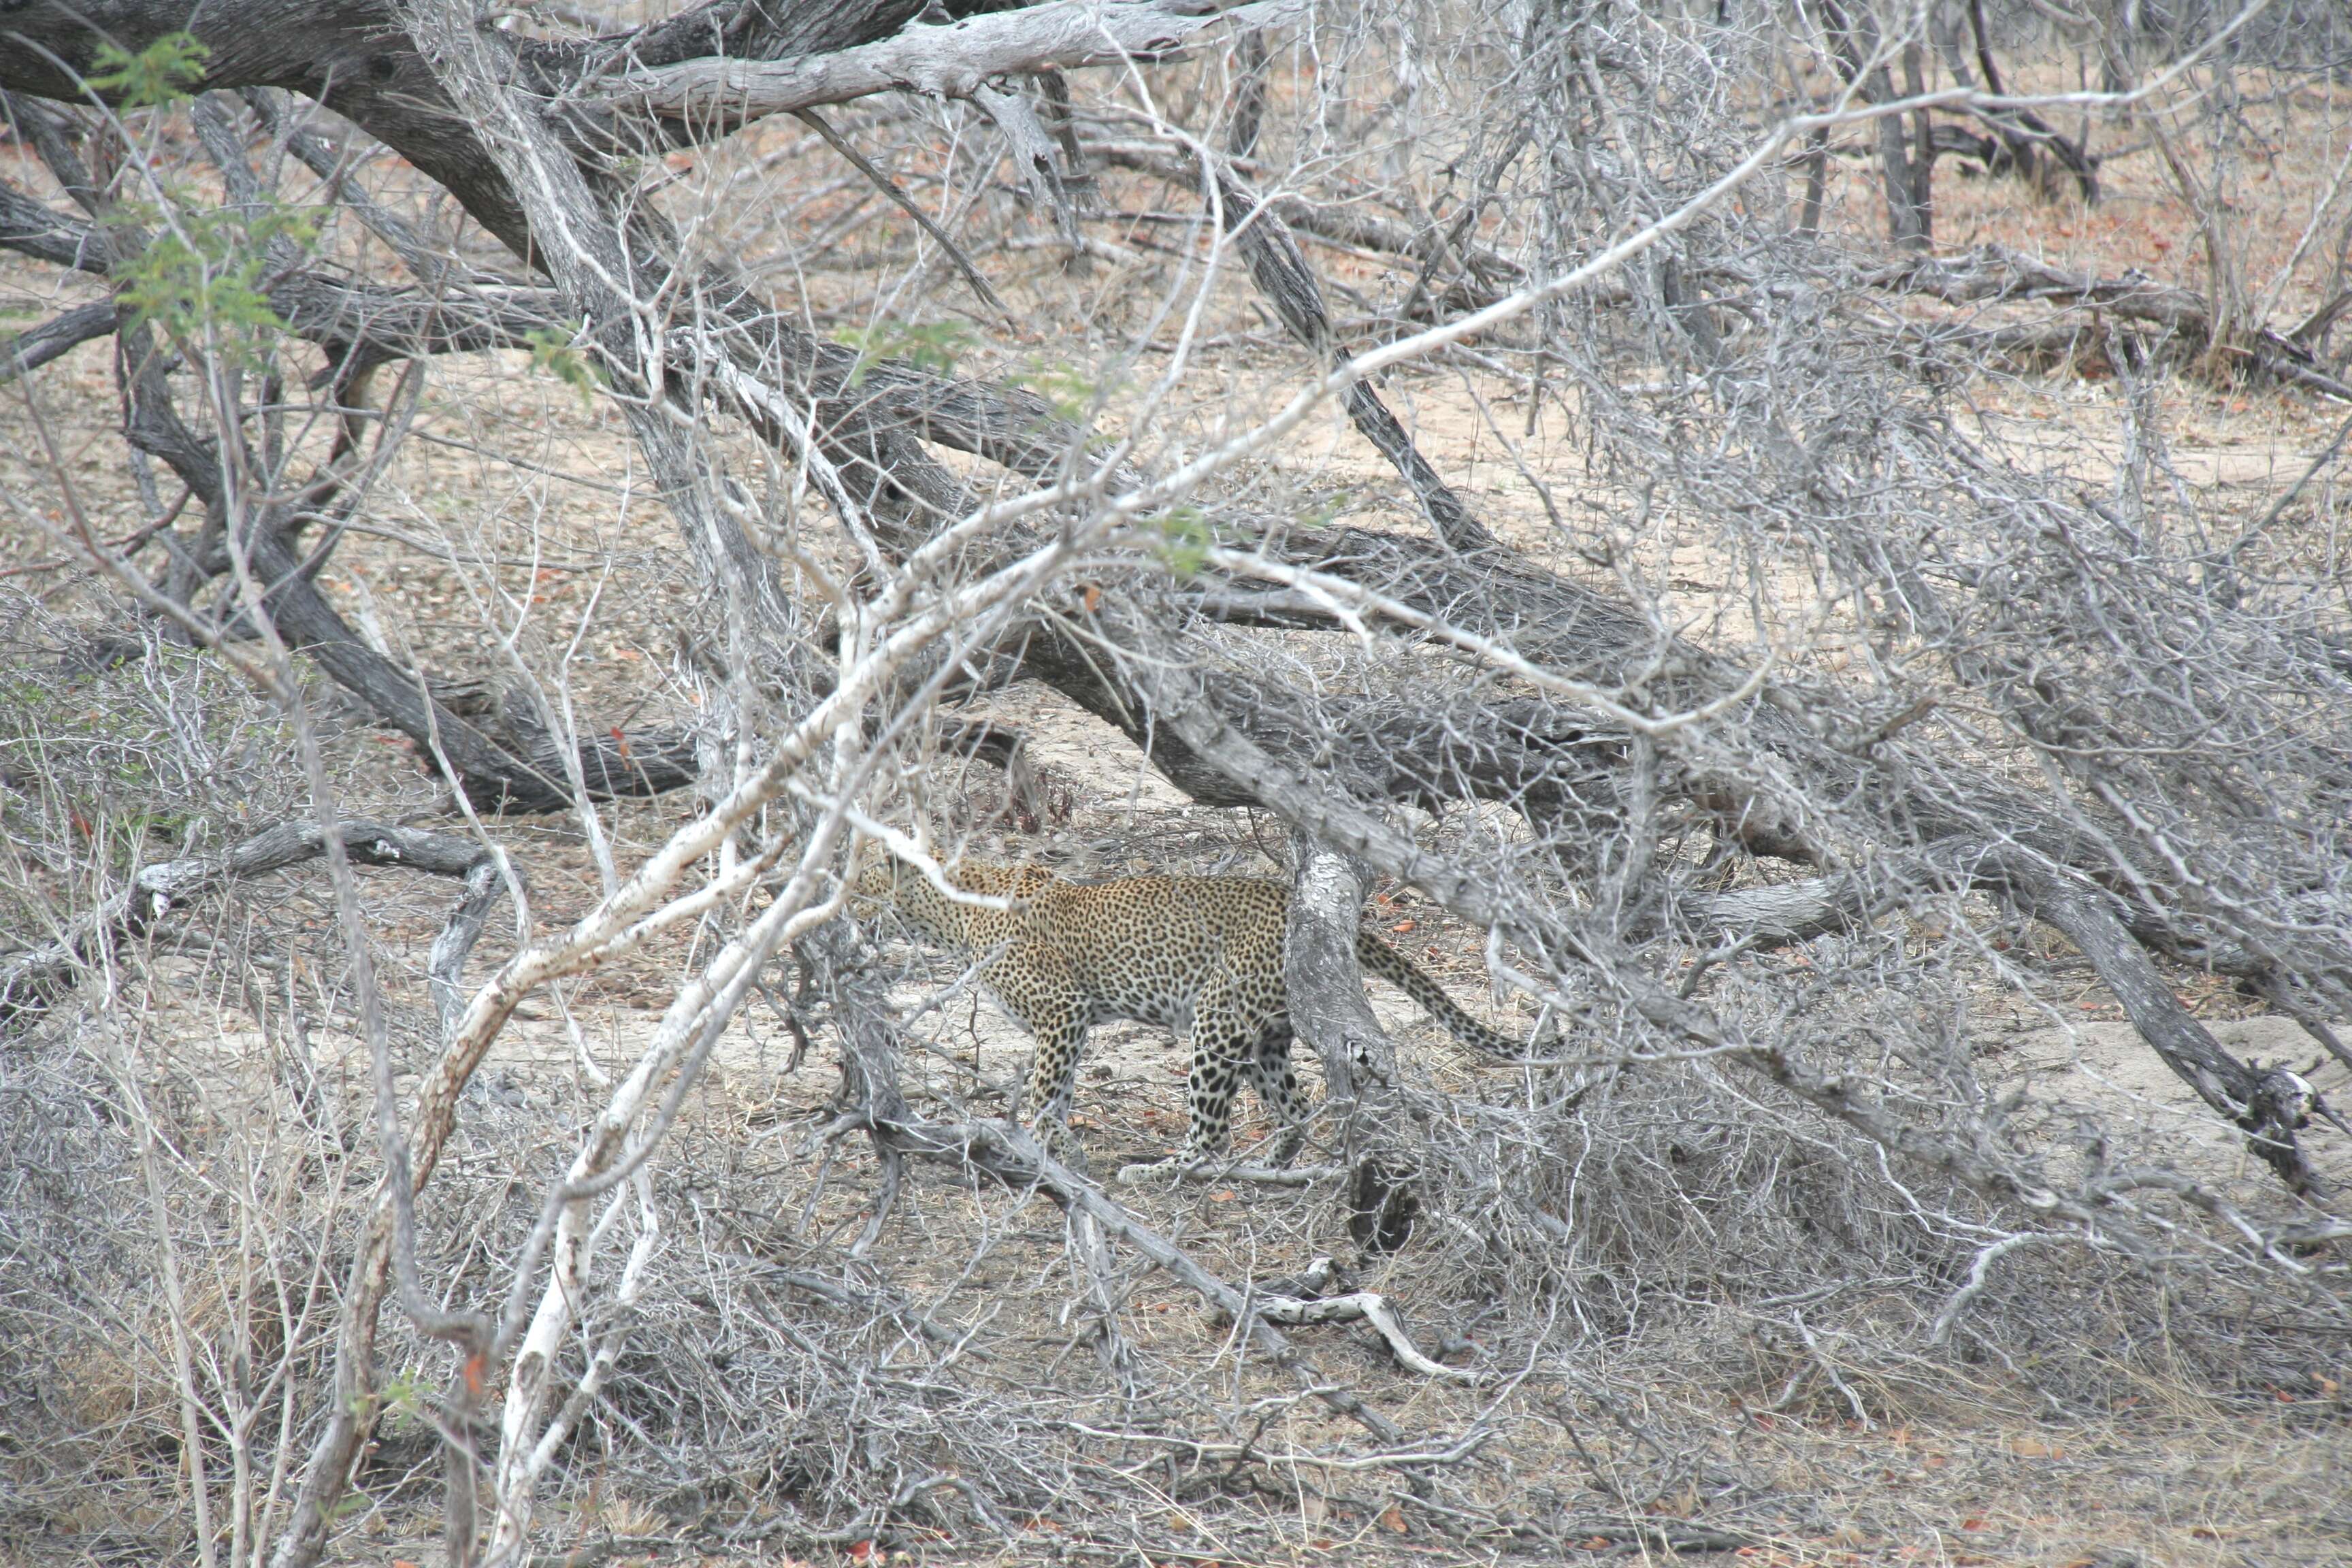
(1198, 956)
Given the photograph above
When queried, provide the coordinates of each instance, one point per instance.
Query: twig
(1980, 1273)
(907, 204)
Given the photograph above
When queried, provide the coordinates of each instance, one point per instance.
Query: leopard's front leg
(1035, 987)
(1053, 1075)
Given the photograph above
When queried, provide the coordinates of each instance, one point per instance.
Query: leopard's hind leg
(1274, 1078)
(1222, 1050)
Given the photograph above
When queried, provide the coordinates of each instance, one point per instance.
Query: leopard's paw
(1150, 1171)
(1058, 1141)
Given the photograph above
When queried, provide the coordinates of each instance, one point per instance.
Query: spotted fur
(1195, 956)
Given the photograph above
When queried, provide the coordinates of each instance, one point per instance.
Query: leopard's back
(1150, 948)
(1145, 948)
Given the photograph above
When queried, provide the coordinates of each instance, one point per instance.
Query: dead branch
(1593, 776)
(958, 61)
(905, 203)
(1492, 274)
(350, 321)
(1309, 1298)
(1995, 274)
(32, 981)
(1180, 702)
(60, 335)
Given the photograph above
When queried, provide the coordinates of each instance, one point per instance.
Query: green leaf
(161, 73)
(552, 351)
(933, 346)
(1185, 539)
(201, 277)
(1070, 393)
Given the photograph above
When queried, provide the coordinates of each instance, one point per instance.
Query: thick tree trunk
(1330, 1013)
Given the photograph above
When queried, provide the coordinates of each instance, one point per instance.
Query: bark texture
(1330, 1013)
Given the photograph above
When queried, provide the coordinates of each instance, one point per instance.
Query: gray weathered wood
(954, 61)
(32, 981)
(1330, 1013)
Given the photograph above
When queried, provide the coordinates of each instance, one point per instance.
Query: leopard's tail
(1378, 957)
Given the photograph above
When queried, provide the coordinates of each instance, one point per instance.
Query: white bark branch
(954, 61)
(1373, 1307)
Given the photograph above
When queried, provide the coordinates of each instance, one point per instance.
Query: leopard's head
(879, 882)
(873, 880)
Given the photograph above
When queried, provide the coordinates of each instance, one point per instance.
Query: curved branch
(60, 335)
(31, 983)
(345, 318)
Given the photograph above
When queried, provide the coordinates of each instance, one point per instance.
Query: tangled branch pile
(1793, 731)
